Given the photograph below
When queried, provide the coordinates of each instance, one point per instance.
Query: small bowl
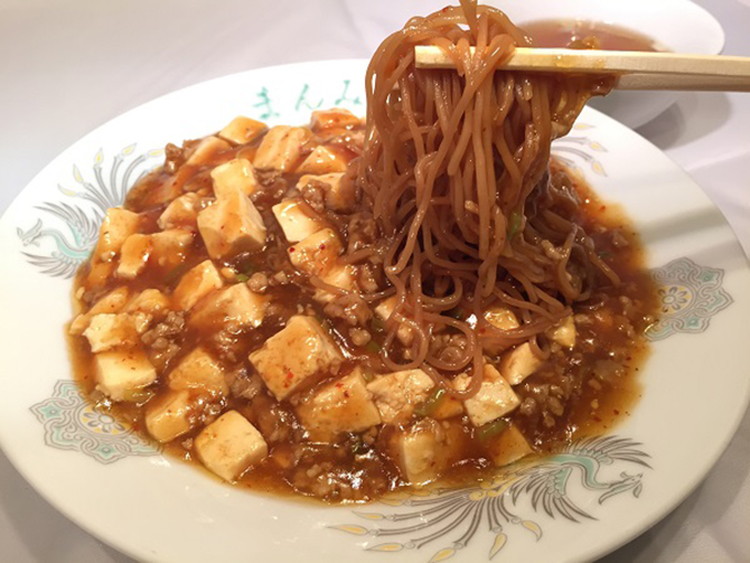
(678, 25)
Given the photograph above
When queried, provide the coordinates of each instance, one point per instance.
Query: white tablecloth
(68, 66)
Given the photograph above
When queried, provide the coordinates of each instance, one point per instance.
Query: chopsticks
(637, 70)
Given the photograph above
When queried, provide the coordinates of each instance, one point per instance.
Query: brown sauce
(564, 33)
(597, 378)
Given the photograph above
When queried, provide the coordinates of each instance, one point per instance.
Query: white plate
(151, 507)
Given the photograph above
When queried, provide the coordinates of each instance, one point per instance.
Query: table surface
(69, 66)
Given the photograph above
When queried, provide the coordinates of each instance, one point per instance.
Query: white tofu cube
(337, 276)
(385, 309)
(507, 447)
(502, 318)
(180, 213)
(343, 405)
(323, 160)
(427, 449)
(170, 248)
(333, 118)
(300, 353)
(235, 305)
(112, 330)
(519, 363)
(237, 175)
(230, 445)
(150, 301)
(199, 370)
(494, 399)
(112, 302)
(121, 373)
(206, 150)
(170, 416)
(281, 148)
(297, 219)
(118, 224)
(230, 226)
(397, 394)
(242, 130)
(565, 332)
(340, 193)
(198, 282)
(134, 256)
(316, 254)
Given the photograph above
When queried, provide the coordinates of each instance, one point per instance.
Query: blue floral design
(690, 296)
(72, 422)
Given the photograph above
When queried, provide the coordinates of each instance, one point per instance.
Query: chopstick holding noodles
(637, 70)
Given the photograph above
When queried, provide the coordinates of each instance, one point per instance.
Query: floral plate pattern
(527, 511)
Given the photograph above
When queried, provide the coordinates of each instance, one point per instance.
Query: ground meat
(359, 336)
(163, 340)
(351, 308)
(315, 194)
(258, 282)
(245, 386)
(366, 278)
(174, 157)
(362, 231)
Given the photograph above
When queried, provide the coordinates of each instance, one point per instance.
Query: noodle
(455, 166)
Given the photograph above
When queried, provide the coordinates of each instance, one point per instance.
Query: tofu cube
(338, 118)
(343, 405)
(207, 150)
(340, 193)
(237, 175)
(519, 363)
(118, 224)
(111, 330)
(230, 226)
(170, 248)
(180, 213)
(281, 148)
(121, 373)
(297, 219)
(150, 301)
(397, 394)
(134, 256)
(323, 160)
(316, 254)
(170, 416)
(200, 371)
(385, 309)
(298, 354)
(242, 130)
(508, 446)
(502, 318)
(198, 282)
(427, 449)
(230, 445)
(565, 332)
(337, 276)
(494, 399)
(112, 302)
(234, 306)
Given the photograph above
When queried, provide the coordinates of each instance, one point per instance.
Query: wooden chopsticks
(637, 70)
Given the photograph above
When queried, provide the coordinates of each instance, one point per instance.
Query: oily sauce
(575, 393)
(568, 32)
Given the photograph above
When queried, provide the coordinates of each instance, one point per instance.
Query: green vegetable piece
(514, 224)
(431, 403)
(242, 277)
(373, 347)
(491, 429)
